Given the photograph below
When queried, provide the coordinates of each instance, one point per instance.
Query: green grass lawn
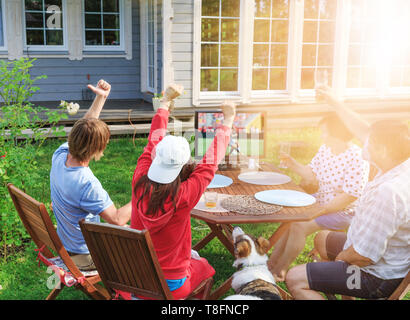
(20, 276)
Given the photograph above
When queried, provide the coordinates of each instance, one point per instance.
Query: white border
(121, 47)
(46, 47)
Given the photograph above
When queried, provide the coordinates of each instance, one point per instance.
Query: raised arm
(102, 91)
(352, 120)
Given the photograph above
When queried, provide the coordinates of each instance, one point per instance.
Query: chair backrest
(38, 224)
(402, 289)
(125, 259)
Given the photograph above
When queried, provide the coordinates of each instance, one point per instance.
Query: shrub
(22, 133)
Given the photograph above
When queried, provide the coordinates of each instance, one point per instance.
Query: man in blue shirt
(75, 192)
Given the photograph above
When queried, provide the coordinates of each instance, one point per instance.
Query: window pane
(229, 55)
(209, 80)
(57, 3)
(35, 37)
(262, 8)
(311, 9)
(260, 79)
(209, 55)
(279, 31)
(230, 8)
(54, 37)
(229, 80)
(33, 5)
(210, 8)
(93, 38)
(310, 31)
(280, 9)
(111, 6)
(308, 78)
(353, 77)
(279, 55)
(355, 52)
(93, 21)
(309, 55)
(326, 32)
(278, 79)
(325, 55)
(34, 20)
(1, 27)
(92, 5)
(112, 38)
(230, 30)
(261, 31)
(210, 30)
(260, 55)
(111, 21)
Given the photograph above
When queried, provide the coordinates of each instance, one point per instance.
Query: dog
(253, 280)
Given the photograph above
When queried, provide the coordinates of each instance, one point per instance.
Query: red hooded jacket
(171, 232)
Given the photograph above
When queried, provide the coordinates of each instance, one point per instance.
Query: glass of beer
(211, 199)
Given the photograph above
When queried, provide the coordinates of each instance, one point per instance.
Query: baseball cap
(171, 154)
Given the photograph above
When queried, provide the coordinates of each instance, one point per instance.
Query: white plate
(264, 178)
(220, 181)
(289, 198)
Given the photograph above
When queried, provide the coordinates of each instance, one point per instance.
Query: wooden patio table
(221, 223)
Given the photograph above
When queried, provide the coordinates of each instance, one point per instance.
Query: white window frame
(47, 48)
(145, 85)
(4, 24)
(105, 48)
(294, 93)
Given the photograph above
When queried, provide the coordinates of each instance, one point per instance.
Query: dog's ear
(263, 245)
(243, 249)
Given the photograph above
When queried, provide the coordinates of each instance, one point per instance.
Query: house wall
(66, 78)
(182, 48)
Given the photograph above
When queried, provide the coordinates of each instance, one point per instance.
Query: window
(44, 24)
(258, 51)
(151, 44)
(318, 40)
(103, 24)
(270, 44)
(2, 33)
(219, 45)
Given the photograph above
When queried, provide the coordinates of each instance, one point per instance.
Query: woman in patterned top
(336, 175)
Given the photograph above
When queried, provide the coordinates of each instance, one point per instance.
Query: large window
(219, 45)
(268, 50)
(44, 23)
(103, 24)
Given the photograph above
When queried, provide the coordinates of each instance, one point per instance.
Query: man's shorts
(338, 277)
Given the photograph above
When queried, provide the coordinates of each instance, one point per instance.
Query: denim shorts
(338, 277)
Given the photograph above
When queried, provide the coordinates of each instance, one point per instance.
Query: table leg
(279, 233)
(202, 243)
(218, 231)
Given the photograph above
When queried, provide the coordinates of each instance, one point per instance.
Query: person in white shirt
(377, 244)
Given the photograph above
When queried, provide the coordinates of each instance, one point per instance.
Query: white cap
(171, 154)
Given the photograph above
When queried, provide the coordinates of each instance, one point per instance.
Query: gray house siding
(66, 78)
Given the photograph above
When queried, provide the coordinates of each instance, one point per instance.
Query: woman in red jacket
(166, 187)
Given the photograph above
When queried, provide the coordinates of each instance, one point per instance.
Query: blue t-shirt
(75, 194)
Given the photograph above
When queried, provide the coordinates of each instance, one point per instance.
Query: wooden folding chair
(38, 224)
(402, 289)
(126, 261)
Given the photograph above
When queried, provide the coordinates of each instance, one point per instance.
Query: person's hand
(229, 111)
(327, 94)
(286, 160)
(173, 91)
(103, 88)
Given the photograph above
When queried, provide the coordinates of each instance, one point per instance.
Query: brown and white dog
(253, 280)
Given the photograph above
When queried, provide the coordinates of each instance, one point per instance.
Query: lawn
(20, 276)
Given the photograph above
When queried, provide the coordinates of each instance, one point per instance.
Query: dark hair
(336, 127)
(159, 193)
(394, 136)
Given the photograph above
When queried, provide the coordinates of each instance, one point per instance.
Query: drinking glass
(284, 149)
(211, 198)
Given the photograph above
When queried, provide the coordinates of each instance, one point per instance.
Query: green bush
(22, 133)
